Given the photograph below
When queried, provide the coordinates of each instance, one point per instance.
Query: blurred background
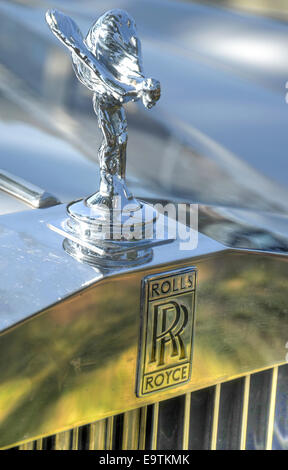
(218, 135)
(274, 8)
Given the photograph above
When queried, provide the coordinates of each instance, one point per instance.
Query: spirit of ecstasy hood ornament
(108, 62)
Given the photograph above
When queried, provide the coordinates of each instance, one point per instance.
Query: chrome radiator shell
(69, 355)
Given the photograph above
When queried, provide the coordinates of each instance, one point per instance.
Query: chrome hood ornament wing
(114, 42)
(93, 58)
(109, 62)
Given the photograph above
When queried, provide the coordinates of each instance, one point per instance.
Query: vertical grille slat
(215, 417)
(39, 444)
(246, 413)
(154, 426)
(245, 408)
(109, 433)
(186, 426)
(131, 429)
(27, 446)
(62, 440)
(97, 435)
(280, 433)
(143, 427)
(272, 405)
(75, 438)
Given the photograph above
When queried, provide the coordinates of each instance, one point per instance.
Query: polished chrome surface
(124, 235)
(109, 63)
(194, 421)
(27, 244)
(9, 204)
(27, 192)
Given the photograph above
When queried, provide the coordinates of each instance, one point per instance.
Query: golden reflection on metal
(62, 440)
(154, 431)
(27, 446)
(245, 407)
(215, 418)
(110, 322)
(142, 432)
(97, 436)
(75, 438)
(134, 425)
(186, 421)
(131, 430)
(39, 444)
(109, 433)
(272, 403)
(167, 319)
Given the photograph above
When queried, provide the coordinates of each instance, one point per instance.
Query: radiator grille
(246, 413)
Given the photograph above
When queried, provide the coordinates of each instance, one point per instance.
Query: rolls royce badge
(166, 336)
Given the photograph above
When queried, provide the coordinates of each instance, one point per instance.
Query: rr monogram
(171, 334)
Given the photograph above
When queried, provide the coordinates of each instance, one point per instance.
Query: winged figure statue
(109, 62)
